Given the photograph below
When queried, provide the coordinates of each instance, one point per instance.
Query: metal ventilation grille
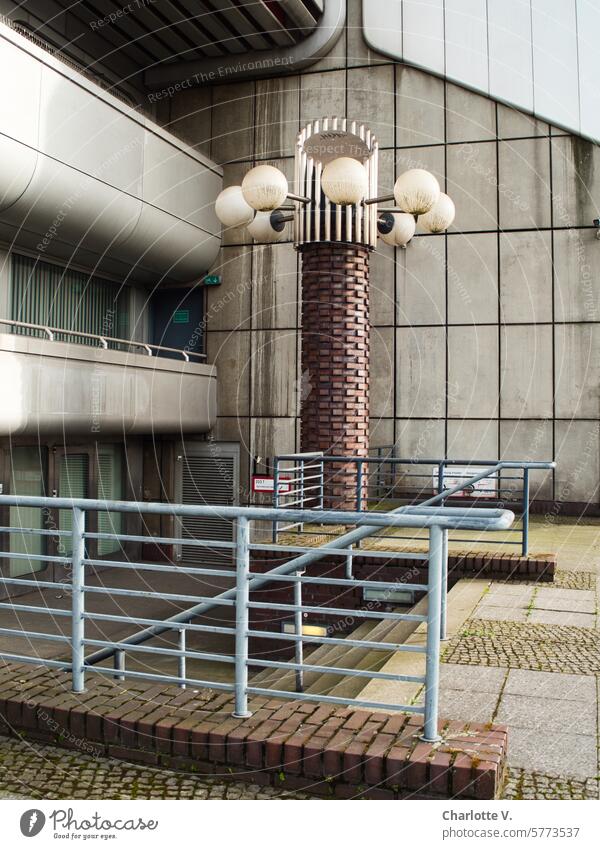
(207, 480)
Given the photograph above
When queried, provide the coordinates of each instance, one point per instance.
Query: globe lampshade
(264, 188)
(344, 180)
(440, 216)
(266, 227)
(231, 209)
(402, 229)
(416, 191)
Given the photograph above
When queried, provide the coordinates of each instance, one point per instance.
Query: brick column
(335, 360)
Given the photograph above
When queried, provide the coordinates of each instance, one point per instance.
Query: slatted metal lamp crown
(335, 194)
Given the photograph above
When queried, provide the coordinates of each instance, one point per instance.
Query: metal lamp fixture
(335, 194)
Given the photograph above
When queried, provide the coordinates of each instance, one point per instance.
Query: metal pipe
(432, 662)
(242, 594)
(444, 603)
(298, 627)
(78, 601)
(525, 545)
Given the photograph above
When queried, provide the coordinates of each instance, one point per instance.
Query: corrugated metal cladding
(42, 293)
(207, 478)
(172, 30)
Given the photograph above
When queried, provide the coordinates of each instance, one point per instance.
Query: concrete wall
(486, 340)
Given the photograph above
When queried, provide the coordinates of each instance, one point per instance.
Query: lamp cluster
(259, 202)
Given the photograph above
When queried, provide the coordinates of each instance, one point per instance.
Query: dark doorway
(177, 320)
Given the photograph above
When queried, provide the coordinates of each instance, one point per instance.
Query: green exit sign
(212, 280)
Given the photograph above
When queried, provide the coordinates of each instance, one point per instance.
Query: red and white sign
(455, 475)
(266, 483)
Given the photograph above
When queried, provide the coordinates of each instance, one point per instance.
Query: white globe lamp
(231, 209)
(416, 191)
(344, 180)
(264, 188)
(267, 227)
(397, 228)
(440, 216)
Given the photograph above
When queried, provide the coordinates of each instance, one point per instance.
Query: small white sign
(455, 475)
(266, 483)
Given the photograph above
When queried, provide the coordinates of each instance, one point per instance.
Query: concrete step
(278, 679)
(463, 598)
(349, 686)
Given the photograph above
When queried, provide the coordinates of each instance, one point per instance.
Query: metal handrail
(437, 520)
(103, 340)
(493, 468)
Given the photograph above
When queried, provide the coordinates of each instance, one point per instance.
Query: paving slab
(555, 600)
(546, 751)
(560, 617)
(477, 707)
(561, 715)
(500, 614)
(556, 685)
(498, 597)
(509, 589)
(482, 679)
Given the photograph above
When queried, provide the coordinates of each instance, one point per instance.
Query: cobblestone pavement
(565, 579)
(522, 784)
(33, 771)
(523, 645)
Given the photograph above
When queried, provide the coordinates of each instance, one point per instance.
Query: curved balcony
(103, 386)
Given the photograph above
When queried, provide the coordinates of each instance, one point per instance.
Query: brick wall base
(321, 749)
(335, 361)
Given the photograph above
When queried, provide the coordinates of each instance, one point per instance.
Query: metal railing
(104, 341)
(246, 580)
(384, 480)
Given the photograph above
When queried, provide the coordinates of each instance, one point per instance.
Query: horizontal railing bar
(337, 641)
(32, 608)
(159, 567)
(197, 655)
(175, 626)
(333, 700)
(409, 461)
(103, 340)
(342, 582)
(335, 670)
(34, 584)
(161, 595)
(421, 516)
(211, 543)
(37, 661)
(19, 632)
(337, 611)
(47, 558)
(342, 552)
(38, 531)
(168, 679)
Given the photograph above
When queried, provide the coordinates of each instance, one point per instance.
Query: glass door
(27, 477)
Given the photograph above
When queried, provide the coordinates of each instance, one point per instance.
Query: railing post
(441, 467)
(119, 664)
(302, 504)
(275, 494)
(78, 601)
(525, 543)
(349, 574)
(181, 660)
(298, 626)
(322, 486)
(359, 485)
(444, 601)
(241, 617)
(432, 669)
